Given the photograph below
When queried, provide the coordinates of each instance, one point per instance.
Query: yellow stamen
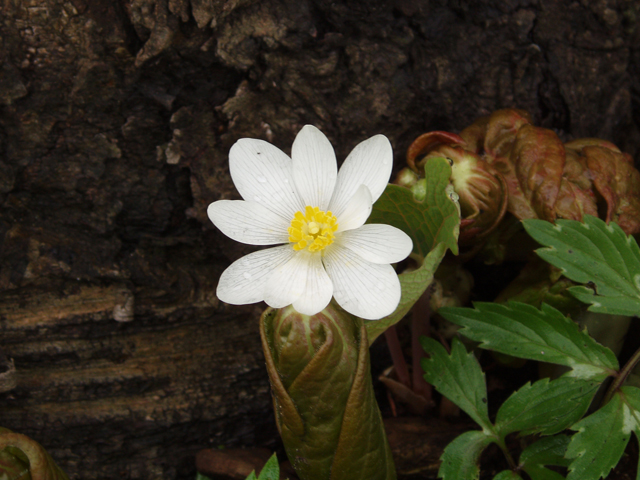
(313, 230)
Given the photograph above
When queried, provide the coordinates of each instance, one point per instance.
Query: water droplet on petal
(286, 180)
(246, 275)
(261, 179)
(256, 198)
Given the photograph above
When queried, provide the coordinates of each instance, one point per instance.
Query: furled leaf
(507, 475)
(18, 451)
(413, 286)
(545, 407)
(546, 451)
(603, 436)
(546, 335)
(460, 457)
(320, 376)
(271, 469)
(13, 465)
(593, 252)
(458, 377)
(429, 222)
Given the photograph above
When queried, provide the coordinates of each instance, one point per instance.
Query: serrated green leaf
(609, 305)
(546, 407)
(429, 222)
(524, 331)
(461, 456)
(507, 475)
(458, 377)
(271, 469)
(413, 285)
(593, 252)
(546, 451)
(603, 436)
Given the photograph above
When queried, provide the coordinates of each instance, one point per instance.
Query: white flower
(318, 215)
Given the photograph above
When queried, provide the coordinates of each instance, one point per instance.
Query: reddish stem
(420, 325)
(399, 363)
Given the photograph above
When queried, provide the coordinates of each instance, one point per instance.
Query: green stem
(507, 454)
(622, 376)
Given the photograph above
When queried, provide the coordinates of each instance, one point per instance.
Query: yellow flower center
(313, 229)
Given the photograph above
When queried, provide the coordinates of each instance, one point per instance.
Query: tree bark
(116, 121)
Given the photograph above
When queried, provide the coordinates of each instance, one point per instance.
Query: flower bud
(481, 188)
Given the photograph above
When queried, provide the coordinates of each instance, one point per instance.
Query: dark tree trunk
(116, 120)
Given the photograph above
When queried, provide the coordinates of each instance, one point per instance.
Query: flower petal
(244, 280)
(248, 222)
(356, 211)
(367, 290)
(287, 282)
(318, 289)
(377, 243)
(369, 164)
(263, 173)
(314, 167)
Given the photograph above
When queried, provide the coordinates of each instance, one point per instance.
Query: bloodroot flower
(318, 215)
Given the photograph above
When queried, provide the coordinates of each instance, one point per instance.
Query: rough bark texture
(116, 120)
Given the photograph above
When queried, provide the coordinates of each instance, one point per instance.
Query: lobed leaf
(458, 377)
(593, 252)
(546, 451)
(603, 436)
(429, 222)
(460, 457)
(546, 335)
(546, 407)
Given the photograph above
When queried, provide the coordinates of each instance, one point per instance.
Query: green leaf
(413, 285)
(460, 457)
(603, 436)
(271, 469)
(428, 222)
(524, 331)
(593, 252)
(458, 377)
(252, 476)
(546, 451)
(546, 407)
(507, 475)
(200, 476)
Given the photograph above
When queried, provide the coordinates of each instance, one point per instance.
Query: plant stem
(622, 376)
(507, 454)
(420, 325)
(399, 363)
